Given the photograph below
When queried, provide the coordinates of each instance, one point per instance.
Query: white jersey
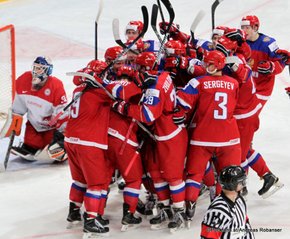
(40, 105)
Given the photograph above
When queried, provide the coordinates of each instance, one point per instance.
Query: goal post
(7, 68)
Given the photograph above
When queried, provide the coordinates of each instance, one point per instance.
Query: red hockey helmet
(97, 66)
(216, 58)
(146, 59)
(250, 21)
(112, 53)
(135, 26)
(219, 30)
(226, 45)
(175, 47)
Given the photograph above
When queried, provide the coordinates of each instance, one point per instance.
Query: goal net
(7, 69)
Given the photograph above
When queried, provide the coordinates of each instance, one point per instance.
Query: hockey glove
(288, 91)
(237, 35)
(266, 67)
(145, 80)
(174, 29)
(92, 83)
(121, 107)
(56, 149)
(179, 117)
(126, 71)
(285, 56)
(176, 62)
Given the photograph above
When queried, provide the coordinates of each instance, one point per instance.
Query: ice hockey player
(157, 107)
(40, 96)
(227, 216)
(214, 96)
(265, 64)
(86, 142)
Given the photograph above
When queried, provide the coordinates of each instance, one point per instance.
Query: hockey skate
(129, 221)
(271, 185)
(203, 192)
(179, 220)
(189, 211)
(100, 218)
(94, 229)
(161, 220)
(74, 216)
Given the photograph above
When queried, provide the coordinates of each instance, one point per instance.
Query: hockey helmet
(175, 47)
(216, 58)
(230, 177)
(251, 20)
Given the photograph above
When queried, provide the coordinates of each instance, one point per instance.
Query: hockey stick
(170, 10)
(96, 27)
(161, 12)
(200, 15)
(137, 152)
(82, 74)
(154, 14)
(12, 136)
(213, 8)
(127, 136)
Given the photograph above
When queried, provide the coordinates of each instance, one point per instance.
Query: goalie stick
(11, 140)
(171, 13)
(213, 8)
(82, 74)
(116, 32)
(96, 27)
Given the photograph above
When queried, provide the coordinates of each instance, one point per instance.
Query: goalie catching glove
(56, 149)
(13, 123)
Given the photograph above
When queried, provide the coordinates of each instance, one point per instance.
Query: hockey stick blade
(200, 15)
(213, 8)
(154, 15)
(161, 12)
(101, 6)
(12, 136)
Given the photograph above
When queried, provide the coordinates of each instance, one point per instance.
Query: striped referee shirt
(226, 219)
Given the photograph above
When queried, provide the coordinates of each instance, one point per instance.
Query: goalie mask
(41, 69)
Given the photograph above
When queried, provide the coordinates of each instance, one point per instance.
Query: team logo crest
(47, 92)
(266, 39)
(146, 45)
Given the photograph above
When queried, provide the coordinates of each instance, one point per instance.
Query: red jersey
(40, 105)
(157, 105)
(264, 49)
(214, 99)
(119, 124)
(89, 118)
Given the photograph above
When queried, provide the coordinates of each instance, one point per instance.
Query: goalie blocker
(13, 123)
